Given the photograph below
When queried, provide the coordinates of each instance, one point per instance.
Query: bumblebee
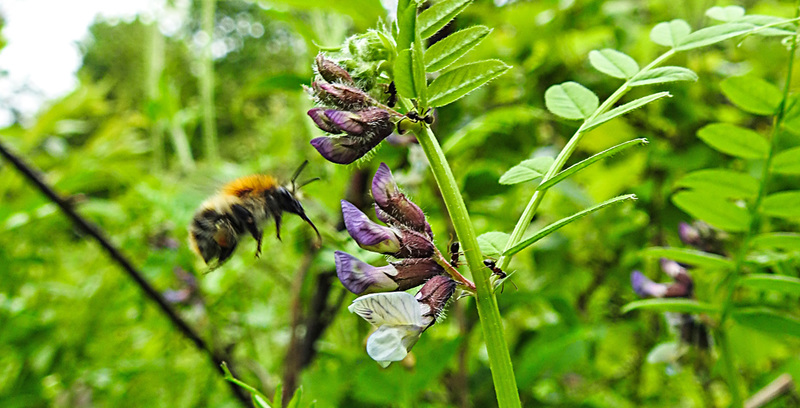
(243, 206)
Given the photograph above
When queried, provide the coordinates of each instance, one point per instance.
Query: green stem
(730, 369)
(207, 85)
(533, 205)
(499, 359)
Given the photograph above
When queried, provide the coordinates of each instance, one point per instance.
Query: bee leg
(250, 225)
(277, 226)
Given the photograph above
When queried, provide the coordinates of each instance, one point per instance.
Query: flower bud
(332, 72)
(412, 272)
(341, 96)
(367, 234)
(702, 236)
(360, 277)
(414, 245)
(435, 293)
(395, 204)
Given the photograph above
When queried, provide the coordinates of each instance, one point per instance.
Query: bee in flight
(243, 206)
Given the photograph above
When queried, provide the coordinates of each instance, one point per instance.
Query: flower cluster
(355, 120)
(689, 328)
(400, 318)
(702, 236)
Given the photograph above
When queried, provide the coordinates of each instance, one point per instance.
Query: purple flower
(367, 234)
(360, 277)
(644, 287)
(332, 72)
(364, 130)
(393, 207)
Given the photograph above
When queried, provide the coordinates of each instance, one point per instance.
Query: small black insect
(391, 90)
(415, 116)
(492, 264)
(454, 253)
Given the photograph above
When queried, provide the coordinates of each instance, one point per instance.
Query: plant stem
(533, 205)
(499, 359)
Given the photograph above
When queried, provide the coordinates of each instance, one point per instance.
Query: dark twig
(35, 177)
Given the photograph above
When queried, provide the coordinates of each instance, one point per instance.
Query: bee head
(288, 198)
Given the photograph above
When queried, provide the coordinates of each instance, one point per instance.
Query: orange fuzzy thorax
(254, 184)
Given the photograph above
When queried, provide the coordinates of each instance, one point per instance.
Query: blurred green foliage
(76, 332)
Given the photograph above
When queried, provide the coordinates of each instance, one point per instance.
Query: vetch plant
(387, 80)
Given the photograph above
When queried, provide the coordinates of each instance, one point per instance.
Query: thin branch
(35, 177)
(779, 386)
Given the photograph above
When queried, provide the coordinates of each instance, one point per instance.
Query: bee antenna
(307, 182)
(297, 173)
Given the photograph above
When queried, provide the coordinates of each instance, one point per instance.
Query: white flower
(400, 320)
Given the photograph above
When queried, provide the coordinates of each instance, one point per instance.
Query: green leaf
(734, 140)
(454, 84)
(778, 283)
(406, 21)
(562, 222)
(712, 35)
(752, 94)
(785, 204)
(418, 70)
(571, 100)
(767, 321)
(587, 162)
(492, 243)
(678, 305)
(437, 16)
(729, 13)
(662, 75)
(255, 393)
(786, 162)
(777, 240)
(613, 63)
(722, 182)
(527, 170)
(453, 47)
(623, 109)
(690, 257)
(404, 74)
(713, 209)
(671, 33)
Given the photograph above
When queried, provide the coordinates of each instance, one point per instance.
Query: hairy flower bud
(341, 96)
(415, 245)
(332, 72)
(365, 129)
(435, 293)
(412, 272)
(395, 206)
(367, 234)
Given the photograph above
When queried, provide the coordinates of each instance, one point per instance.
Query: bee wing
(390, 309)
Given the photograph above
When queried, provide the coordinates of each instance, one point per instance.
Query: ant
(492, 264)
(415, 117)
(454, 248)
(391, 90)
